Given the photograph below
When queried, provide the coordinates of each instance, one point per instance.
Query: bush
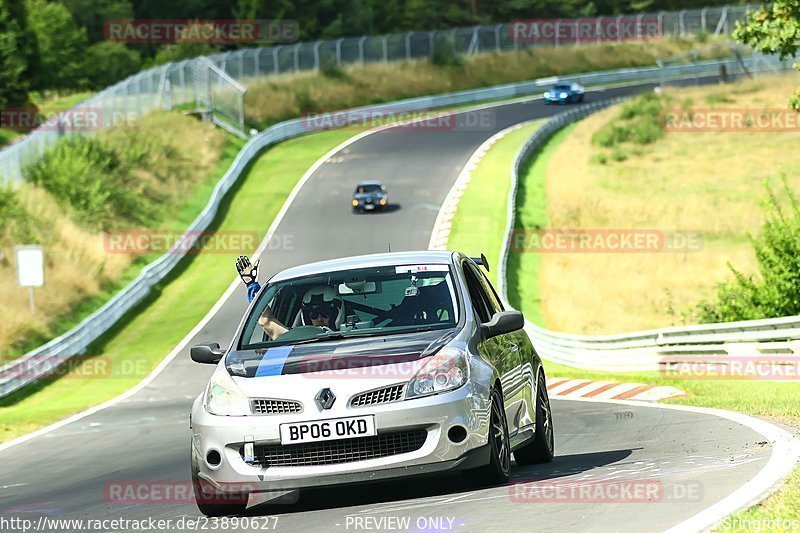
(776, 292)
(444, 53)
(107, 63)
(638, 122)
(130, 175)
(330, 68)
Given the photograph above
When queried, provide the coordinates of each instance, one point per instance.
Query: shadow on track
(442, 485)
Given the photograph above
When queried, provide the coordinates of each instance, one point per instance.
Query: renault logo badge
(325, 398)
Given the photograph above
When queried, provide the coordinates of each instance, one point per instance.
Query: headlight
(355, 203)
(547, 94)
(563, 95)
(445, 371)
(223, 397)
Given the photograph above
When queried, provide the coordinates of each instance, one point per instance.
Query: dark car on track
(370, 196)
(564, 93)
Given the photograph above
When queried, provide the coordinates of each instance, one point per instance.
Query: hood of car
(337, 355)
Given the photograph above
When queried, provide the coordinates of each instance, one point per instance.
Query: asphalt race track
(692, 460)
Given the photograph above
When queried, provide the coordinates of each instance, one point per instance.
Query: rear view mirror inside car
(357, 287)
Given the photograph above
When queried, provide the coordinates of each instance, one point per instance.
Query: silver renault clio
(386, 365)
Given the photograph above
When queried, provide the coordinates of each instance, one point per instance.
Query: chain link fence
(215, 85)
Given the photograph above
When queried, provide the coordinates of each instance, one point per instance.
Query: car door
(518, 352)
(498, 350)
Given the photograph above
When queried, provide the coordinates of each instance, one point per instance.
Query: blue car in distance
(564, 93)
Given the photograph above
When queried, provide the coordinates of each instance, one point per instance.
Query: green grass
(481, 217)
(6, 136)
(483, 206)
(178, 219)
(145, 336)
(531, 214)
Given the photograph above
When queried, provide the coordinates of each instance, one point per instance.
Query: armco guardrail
(645, 350)
(195, 81)
(38, 362)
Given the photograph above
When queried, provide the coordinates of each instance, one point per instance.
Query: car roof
(368, 182)
(423, 257)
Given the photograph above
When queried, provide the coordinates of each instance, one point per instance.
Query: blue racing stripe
(272, 362)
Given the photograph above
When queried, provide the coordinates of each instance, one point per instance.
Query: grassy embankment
(144, 337)
(675, 180)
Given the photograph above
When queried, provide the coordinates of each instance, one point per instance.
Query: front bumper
(435, 414)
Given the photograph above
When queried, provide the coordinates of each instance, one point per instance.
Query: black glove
(247, 271)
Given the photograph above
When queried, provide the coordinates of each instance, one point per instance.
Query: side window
(491, 294)
(476, 294)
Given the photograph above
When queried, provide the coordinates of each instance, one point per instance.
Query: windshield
(562, 87)
(360, 302)
(368, 189)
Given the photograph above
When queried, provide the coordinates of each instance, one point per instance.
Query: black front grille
(266, 406)
(378, 396)
(335, 452)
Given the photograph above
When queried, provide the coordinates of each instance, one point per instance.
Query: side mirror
(503, 322)
(209, 354)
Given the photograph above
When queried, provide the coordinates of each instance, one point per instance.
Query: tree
(774, 29)
(62, 46)
(94, 14)
(107, 63)
(13, 86)
(18, 53)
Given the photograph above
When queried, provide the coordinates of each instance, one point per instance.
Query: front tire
(498, 470)
(541, 449)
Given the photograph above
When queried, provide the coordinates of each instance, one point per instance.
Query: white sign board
(30, 266)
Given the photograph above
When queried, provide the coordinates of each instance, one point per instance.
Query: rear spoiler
(481, 261)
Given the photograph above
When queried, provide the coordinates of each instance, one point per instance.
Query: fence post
(407, 40)
(317, 45)
(339, 51)
(431, 37)
(497, 29)
(598, 28)
(661, 23)
(682, 22)
(385, 45)
(639, 18)
(296, 53)
(275, 67)
(703, 15)
(558, 32)
(257, 62)
(361, 42)
(619, 28)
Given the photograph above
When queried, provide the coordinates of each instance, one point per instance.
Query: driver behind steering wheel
(319, 306)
